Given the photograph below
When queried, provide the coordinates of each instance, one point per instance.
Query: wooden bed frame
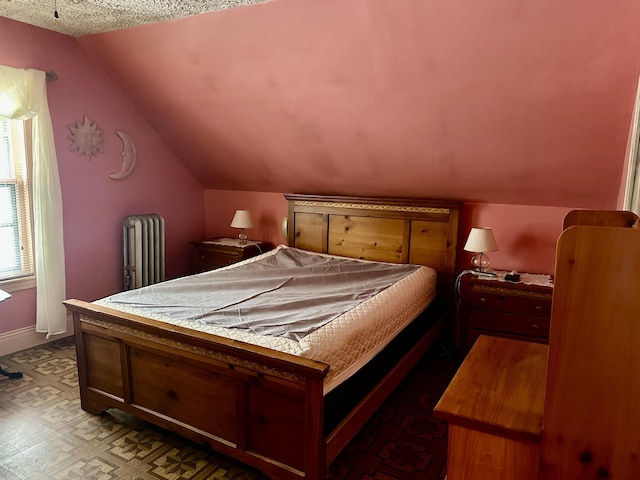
(259, 406)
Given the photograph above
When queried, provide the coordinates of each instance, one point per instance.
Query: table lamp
(242, 220)
(480, 241)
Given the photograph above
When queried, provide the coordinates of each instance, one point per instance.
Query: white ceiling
(84, 17)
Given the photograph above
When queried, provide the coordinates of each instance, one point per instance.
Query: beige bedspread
(290, 293)
(347, 340)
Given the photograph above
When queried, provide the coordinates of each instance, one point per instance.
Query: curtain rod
(51, 76)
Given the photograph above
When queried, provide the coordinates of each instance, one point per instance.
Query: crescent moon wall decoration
(128, 156)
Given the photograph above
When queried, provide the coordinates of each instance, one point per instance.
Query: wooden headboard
(395, 230)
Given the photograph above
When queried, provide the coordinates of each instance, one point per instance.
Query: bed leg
(92, 406)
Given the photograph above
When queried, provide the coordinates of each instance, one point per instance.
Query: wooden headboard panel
(395, 230)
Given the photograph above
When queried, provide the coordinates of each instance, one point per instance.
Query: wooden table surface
(499, 389)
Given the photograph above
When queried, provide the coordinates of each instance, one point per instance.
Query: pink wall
(19, 311)
(526, 235)
(94, 204)
(487, 102)
(267, 210)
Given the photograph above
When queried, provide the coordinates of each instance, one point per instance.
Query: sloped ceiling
(496, 101)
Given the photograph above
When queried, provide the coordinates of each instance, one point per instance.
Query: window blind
(16, 257)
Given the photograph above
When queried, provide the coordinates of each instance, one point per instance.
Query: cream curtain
(23, 95)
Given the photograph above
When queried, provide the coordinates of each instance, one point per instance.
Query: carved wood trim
(232, 361)
(510, 291)
(364, 206)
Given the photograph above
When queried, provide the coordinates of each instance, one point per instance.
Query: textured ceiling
(85, 17)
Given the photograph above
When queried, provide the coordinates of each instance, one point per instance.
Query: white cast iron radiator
(143, 237)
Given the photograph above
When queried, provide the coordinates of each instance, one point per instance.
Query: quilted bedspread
(337, 310)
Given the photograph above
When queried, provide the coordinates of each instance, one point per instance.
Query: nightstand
(220, 252)
(493, 306)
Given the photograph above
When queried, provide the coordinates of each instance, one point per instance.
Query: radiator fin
(143, 238)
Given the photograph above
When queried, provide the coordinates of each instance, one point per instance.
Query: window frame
(632, 188)
(24, 205)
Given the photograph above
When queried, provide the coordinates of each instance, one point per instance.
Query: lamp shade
(242, 219)
(481, 240)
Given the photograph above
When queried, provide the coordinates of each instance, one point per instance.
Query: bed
(285, 413)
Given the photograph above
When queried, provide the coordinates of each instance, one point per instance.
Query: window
(16, 257)
(632, 192)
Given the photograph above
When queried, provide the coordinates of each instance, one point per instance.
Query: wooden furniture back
(415, 231)
(600, 218)
(591, 415)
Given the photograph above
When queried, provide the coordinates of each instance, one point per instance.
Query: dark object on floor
(10, 374)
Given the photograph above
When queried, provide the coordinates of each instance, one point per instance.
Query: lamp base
(480, 262)
(242, 238)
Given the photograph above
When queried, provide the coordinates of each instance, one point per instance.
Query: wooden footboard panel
(261, 407)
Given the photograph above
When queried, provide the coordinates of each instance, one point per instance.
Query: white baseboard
(27, 337)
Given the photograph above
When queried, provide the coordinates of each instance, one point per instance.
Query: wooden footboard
(261, 407)
(253, 404)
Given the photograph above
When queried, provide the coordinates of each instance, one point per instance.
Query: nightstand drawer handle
(535, 326)
(483, 300)
(538, 307)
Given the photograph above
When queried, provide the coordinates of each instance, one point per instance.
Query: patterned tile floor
(44, 434)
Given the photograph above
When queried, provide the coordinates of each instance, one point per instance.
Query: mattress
(346, 342)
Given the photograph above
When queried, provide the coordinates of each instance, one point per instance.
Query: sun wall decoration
(86, 138)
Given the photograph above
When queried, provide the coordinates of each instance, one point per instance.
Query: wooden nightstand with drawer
(220, 252)
(492, 306)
